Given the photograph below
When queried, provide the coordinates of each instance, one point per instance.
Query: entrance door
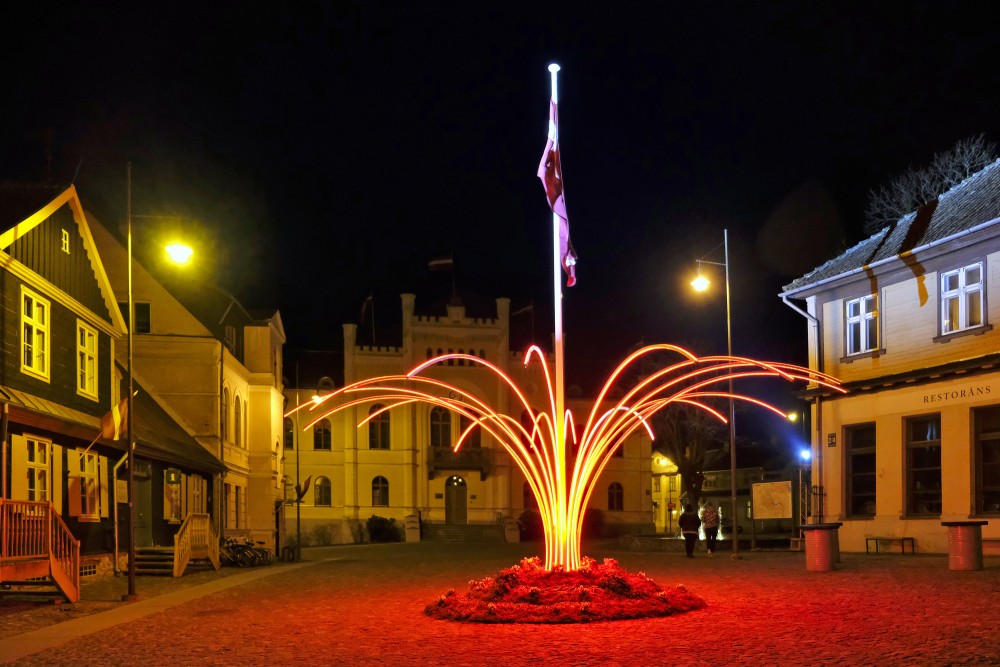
(143, 504)
(456, 501)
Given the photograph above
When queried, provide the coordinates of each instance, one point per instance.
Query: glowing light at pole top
(535, 447)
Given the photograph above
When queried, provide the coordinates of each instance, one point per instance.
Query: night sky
(327, 151)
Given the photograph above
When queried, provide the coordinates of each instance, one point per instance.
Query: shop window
(923, 466)
(987, 434)
(859, 449)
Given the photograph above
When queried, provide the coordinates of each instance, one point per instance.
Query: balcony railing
(473, 458)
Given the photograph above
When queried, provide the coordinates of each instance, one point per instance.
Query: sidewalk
(363, 605)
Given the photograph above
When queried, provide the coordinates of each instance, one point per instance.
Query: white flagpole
(560, 444)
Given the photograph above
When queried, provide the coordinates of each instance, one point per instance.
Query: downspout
(820, 493)
(220, 497)
(114, 476)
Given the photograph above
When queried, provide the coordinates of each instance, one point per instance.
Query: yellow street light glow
(700, 283)
(179, 253)
(792, 416)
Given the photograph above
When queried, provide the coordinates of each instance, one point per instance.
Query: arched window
(482, 354)
(321, 435)
(380, 492)
(440, 428)
(475, 438)
(289, 433)
(616, 497)
(225, 415)
(378, 428)
(529, 498)
(237, 422)
(322, 492)
(430, 353)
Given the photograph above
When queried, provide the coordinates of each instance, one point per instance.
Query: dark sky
(328, 150)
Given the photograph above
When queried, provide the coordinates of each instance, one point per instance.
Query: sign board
(772, 500)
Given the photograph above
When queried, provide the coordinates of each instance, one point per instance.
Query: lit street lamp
(701, 283)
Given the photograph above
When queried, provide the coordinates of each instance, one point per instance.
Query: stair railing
(196, 538)
(34, 530)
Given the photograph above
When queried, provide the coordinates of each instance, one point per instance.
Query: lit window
(321, 435)
(38, 470)
(923, 465)
(289, 433)
(65, 241)
(322, 492)
(34, 334)
(173, 495)
(380, 492)
(89, 485)
(862, 325)
(378, 428)
(86, 360)
(860, 474)
(962, 298)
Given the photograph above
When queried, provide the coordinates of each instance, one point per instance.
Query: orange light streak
(540, 452)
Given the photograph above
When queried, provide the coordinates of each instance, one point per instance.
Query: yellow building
(906, 320)
(401, 464)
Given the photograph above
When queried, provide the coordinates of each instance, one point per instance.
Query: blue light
(805, 455)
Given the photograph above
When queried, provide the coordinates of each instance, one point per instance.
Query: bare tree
(917, 187)
(694, 440)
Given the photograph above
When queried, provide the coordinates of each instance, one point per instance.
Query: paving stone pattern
(362, 605)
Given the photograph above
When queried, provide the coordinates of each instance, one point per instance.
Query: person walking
(710, 521)
(689, 523)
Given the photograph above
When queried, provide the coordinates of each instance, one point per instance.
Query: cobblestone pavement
(362, 605)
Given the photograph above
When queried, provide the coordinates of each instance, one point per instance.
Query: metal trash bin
(822, 546)
(965, 544)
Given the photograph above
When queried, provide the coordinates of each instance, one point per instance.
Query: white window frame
(90, 486)
(961, 295)
(866, 312)
(35, 354)
(39, 470)
(86, 360)
(65, 241)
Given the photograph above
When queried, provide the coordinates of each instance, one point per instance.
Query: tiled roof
(973, 202)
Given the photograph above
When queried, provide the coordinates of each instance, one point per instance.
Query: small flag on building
(442, 263)
(114, 420)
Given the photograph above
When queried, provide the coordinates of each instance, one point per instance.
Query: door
(143, 503)
(456, 501)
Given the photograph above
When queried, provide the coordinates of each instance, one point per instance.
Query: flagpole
(131, 443)
(559, 417)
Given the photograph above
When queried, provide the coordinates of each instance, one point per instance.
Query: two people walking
(690, 522)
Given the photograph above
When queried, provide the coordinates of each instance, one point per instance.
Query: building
(61, 334)
(400, 463)
(216, 368)
(906, 320)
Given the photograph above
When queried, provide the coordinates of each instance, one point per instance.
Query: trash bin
(965, 544)
(822, 546)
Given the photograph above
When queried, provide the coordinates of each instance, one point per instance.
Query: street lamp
(176, 251)
(701, 283)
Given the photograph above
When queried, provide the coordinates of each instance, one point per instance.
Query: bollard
(965, 544)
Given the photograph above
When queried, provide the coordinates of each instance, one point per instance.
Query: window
(142, 317)
(987, 430)
(616, 497)
(378, 427)
(859, 448)
(237, 421)
(380, 492)
(225, 414)
(962, 298)
(322, 492)
(34, 335)
(38, 470)
(923, 465)
(475, 437)
(528, 497)
(173, 495)
(65, 241)
(86, 360)
(862, 325)
(321, 435)
(197, 494)
(440, 428)
(89, 485)
(289, 433)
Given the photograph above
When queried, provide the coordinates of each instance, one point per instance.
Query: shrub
(322, 536)
(381, 529)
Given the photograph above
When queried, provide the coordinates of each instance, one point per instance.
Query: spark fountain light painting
(567, 587)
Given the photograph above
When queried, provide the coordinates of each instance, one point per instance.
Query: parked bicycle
(242, 552)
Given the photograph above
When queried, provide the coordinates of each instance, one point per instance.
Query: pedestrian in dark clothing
(710, 520)
(689, 523)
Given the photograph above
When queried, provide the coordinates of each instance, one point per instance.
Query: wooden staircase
(39, 557)
(196, 546)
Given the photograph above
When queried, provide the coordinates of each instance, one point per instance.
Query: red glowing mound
(528, 593)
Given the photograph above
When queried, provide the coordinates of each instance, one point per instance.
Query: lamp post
(180, 254)
(701, 283)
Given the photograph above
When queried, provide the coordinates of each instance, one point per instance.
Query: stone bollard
(412, 527)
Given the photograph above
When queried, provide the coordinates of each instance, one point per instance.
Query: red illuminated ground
(528, 593)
